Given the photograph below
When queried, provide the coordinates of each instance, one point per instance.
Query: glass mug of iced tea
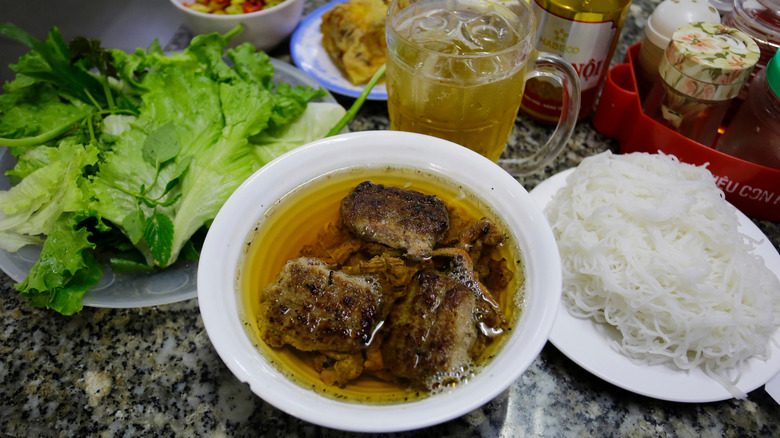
(456, 70)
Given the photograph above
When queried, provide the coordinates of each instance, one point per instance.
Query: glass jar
(665, 19)
(723, 6)
(759, 19)
(704, 67)
(754, 134)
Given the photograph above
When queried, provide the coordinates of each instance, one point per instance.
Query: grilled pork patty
(402, 219)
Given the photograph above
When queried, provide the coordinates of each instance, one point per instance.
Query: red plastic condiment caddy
(752, 188)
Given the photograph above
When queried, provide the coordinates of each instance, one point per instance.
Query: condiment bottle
(704, 67)
(754, 134)
(584, 33)
(665, 19)
(759, 19)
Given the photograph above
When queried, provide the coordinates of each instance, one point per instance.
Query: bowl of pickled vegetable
(266, 23)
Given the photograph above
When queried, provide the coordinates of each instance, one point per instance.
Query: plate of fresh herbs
(116, 163)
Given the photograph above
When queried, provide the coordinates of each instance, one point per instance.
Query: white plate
(310, 56)
(175, 283)
(773, 388)
(585, 342)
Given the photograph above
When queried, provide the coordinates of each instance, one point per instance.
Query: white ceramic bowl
(265, 29)
(221, 258)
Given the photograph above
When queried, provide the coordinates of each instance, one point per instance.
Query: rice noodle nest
(650, 246)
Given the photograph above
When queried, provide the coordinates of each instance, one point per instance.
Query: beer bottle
(584, 33)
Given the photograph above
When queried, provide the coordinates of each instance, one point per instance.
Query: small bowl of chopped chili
(266, 22)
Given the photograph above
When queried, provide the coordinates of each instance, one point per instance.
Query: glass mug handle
(556, 68)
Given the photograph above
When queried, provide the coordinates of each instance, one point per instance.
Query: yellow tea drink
(455, 76)
(456, 70)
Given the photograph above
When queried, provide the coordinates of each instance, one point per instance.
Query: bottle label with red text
(584, 44)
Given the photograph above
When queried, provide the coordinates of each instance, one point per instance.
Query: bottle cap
(671, 14)
(773, 74)
(708, 61)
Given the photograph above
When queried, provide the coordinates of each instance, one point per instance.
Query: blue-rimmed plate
(310, 56)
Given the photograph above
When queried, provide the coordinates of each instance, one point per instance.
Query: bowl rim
(179, 4)
(222, 254)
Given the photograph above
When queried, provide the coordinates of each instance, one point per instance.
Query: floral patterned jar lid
(709, 61)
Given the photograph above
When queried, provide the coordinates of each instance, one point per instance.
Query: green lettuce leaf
(30, 209)
(182, 102)
(36, 114)
(208, 108)
(65, 270)
(311, 125)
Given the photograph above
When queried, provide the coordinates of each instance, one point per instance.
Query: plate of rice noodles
(668, 290)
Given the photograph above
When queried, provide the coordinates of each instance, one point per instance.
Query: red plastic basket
(752, 188)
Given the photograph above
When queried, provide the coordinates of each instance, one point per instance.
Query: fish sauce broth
(300, 218)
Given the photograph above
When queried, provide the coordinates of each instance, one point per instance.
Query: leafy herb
(161, 145)
(158, 233)
(353, 110)
(53, 62)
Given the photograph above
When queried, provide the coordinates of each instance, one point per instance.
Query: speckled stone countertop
(153, 371)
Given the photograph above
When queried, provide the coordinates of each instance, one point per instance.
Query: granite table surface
(153, 371)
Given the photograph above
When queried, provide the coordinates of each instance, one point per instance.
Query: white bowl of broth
(289, 203)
